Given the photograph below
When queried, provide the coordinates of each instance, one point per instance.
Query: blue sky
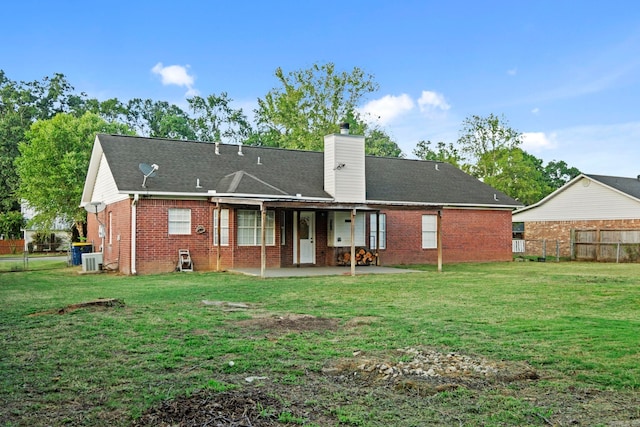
(564, 73)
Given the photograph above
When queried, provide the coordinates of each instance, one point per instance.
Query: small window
(429, 231)
(179, 221)
(110, 227)
(250, 228)
(224, 227)
(282, 228)
(373, 231)
(518, 230)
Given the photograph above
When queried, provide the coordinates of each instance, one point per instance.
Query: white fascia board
(92, 173)
(226, 195)
(445, 205)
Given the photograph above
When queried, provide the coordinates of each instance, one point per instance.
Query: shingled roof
(273, 172)
(629, 186)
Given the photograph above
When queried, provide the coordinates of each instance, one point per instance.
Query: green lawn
(577, 325)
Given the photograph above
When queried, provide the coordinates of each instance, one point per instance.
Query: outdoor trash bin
(77, 249)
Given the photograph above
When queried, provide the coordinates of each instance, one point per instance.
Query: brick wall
(117, 241)
(467, 236)
(535, 232)
(157, 250)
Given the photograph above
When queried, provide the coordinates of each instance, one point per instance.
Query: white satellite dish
(95, 207)
(148, 171)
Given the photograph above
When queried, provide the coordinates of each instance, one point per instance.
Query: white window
(250, 228)
(282, 228)
(224, 227)
(110, 228)
(179, 221)
(373, 231)
(429, 231)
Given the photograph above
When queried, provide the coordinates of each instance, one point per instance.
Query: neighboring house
(163, 196)
(56, 239)
(592, 217)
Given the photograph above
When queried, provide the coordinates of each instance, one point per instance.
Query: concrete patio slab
(321, 271)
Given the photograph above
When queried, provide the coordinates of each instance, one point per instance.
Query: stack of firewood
(363, 257)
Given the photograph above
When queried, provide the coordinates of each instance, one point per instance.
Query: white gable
(100, 186)
(105, 189)
(582, 199)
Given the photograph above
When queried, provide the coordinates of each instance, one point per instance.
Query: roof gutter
(444, 204)
(230, 195)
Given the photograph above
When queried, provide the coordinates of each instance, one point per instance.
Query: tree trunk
(80, 228)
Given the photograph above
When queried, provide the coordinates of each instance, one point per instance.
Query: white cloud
(538, 141)
(512, 71)
(387, 108)
(431, 102)
(176, 75)
(535, 110)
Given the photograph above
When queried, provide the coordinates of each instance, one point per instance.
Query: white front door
(305, 233)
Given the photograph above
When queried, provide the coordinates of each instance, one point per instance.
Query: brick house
(592, 217)
(234, 206)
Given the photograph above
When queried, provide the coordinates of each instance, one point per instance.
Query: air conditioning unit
(92, 261)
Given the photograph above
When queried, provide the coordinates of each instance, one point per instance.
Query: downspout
(218, 235)
(133, 233)
(263, 245)
(439, 239)
(353, 242)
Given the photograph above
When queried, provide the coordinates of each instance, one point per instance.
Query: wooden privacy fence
(605, 245)
(11, 246)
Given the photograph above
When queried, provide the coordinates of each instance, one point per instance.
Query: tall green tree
(377, 142)
(442, 152)
(483, 140)
(216, 120)
(11, 224)
(518, 174)
(158, 119)
(492, 153)
(53, 164)
(558, 173)
(309, 104)
(22, 103)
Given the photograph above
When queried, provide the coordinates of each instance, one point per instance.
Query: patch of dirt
(99, 303)
(290, 323)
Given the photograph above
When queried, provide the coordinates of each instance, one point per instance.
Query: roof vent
(217, 148)
(344, 128)
(495, 197)
(240, 150)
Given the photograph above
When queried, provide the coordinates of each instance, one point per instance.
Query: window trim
(373, 233)
(224, 226)
(270, 227)
(430, 235)
(110, 225)
(184, 225)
